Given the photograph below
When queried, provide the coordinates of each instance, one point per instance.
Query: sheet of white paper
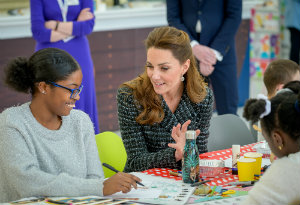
(158, 190)
(137, 193)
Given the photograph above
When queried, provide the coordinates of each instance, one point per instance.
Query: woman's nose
(156, 74)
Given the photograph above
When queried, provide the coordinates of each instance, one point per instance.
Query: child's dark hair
(49, 64)
(285, 111)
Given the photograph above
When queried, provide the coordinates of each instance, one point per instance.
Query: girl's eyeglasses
(74, 92)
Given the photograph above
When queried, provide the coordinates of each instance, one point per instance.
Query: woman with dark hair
(46, 147)
(156, 108)
(280, 123)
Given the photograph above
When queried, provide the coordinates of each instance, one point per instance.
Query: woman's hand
(120, 182)
(178, 134)
(51, 24)
(85, 14)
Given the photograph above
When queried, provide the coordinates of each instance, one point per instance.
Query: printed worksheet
(158, 190)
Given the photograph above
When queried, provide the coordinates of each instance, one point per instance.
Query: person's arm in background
(223, 40)
(39, 32)
(203, 53)
(53, 31)
(84, 26)
(138, 156)
(60, 28)
(173, 16)
(231, 23)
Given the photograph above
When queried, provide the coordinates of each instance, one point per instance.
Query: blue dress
(78, 47)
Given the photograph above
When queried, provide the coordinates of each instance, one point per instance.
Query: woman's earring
(279, 147)
(182, 78)
(44, 92)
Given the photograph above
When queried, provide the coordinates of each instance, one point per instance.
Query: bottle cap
(236, 148)
(190, 134)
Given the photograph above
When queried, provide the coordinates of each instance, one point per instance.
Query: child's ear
(42, 86)
(278, 139)
(279, 87)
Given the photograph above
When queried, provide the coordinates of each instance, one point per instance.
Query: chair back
(226, 130)
(111, 151)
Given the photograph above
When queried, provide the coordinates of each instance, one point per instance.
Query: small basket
(211, 168)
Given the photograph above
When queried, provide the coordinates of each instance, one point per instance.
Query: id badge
(73, 2)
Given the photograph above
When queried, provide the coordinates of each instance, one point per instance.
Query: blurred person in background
(292, 22)
(211, 26)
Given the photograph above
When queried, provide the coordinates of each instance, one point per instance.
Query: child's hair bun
(253, 109)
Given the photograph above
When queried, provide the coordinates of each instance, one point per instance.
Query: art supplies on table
(265, 162)
(113, 169)
(29, 201)
(199, 183)
(90, 200)
(175, 174)
(158, 190)
(206, 193)
(236, 151)
(211, 168)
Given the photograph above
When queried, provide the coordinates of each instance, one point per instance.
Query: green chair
(111, 151)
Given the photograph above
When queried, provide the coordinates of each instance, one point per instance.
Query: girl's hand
(178, 134)
(85, 14)
(120, 182)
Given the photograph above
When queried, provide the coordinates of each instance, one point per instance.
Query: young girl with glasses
(46, 147)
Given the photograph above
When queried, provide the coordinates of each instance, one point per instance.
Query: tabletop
(220, 180)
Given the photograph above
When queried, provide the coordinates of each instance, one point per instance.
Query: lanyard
(63, 8)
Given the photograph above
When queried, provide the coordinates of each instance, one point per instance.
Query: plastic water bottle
(190, 160)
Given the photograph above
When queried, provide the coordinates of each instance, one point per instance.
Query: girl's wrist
(56, 26)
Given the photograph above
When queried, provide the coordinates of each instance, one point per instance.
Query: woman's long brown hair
(178, 42)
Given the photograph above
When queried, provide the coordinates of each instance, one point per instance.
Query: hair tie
(296, 105)
(267, 107)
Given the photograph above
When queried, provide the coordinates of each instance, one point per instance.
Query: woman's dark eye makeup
(163, 67)
(149, 65)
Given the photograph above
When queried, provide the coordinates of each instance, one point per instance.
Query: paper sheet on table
(142, 192)
(158, 190)
(264, 161)
(137, 193)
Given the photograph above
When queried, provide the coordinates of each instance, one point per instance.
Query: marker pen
(242, 183)
(175, 174)
(199, 183)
